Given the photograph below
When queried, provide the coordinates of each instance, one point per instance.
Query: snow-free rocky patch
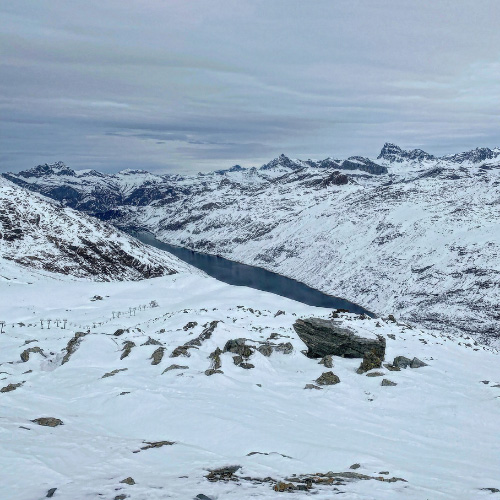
(105, 425)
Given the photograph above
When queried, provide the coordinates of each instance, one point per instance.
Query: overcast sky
(189, 85)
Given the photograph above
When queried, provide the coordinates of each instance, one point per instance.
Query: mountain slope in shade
(40, 234)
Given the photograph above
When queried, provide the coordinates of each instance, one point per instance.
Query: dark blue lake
(238, 274)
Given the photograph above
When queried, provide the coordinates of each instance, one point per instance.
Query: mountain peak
(57, 168)
(394, 153)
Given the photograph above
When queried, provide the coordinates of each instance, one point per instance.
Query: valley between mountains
(405, 233)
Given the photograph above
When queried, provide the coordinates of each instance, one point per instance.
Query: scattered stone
(312, 386)
(267, 454)
(324, 337)
(127, 348)
(388, 383)
(96, 297)
(182, 350)
(392, 368)
(246, 366)
(114, 372)
(30, 341)
(48, 421)
(211, 371)
(417, 363)
(285, 348)
(401, 362)
(274, 336)
(11, 387)
(486, 382)
(50, 493)
(204, 335)
(391, 318)
(124, 392)
(25, 355)
(281, 486)
(128, 480)
(201, 496)
(496, 385)
(491, 490)
(265, 350)
(327, 361)
(384, 472)
(375, 374)
(223, 474)
(327, 378)
(237, 346)
(73, 345)
(355, 466)
(391, 336)
(370, 361)
(175, 367)
(189, 325)
(154, 444)
(157, 356)
(237, 360)
(119, 332)
(121, 497)
(151, 341)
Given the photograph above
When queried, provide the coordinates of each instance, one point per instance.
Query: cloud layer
(191, 86)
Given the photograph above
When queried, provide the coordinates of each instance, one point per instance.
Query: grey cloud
(205, 84)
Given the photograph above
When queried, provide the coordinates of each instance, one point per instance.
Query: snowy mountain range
(406, 232)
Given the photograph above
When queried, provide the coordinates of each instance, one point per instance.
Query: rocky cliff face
(408, 232)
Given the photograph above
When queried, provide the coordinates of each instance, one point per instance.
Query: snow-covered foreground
(437, 429)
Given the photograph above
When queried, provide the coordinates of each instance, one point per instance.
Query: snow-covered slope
(406, 232)
(128, 415)
(39, 234)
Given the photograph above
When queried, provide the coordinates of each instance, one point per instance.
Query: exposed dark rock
(327, 361)
(417, 363)
(375, 374)
(388, 383)
(127, 348)
(285, 348)
(119, 332)
(223, 474)
(73, 345)
(182, 350)
(25, 355)
(312, 386)
(355, 466)
(279, 313)
(265, 350)
(401, 362)
(189, 325)
(392, 368)
(151, 341)
(48, 421)
(201, 496)
(121, 497)
(154, 444)
(324, 337)
(491, 490)
(391, 336)
(370, 361)
(157, 356)
(327, 378)
(175, 367)
(11, 387)
(50, 493)
(211, 371)
(114, 372)
(246, 366)
(128, 480)
(391, 318)
(237, 346)
(204, 335)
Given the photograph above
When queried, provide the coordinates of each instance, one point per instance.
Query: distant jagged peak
(283, 161)
(474, 155)
(234, 168)
(393, 153)
(57, 168)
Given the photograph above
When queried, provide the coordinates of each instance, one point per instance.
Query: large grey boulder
(324, 337)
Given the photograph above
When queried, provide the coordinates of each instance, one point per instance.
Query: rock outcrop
(324, 337)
